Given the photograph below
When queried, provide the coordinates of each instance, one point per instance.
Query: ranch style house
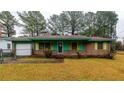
(68, 46)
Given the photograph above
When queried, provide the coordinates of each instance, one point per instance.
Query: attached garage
(23, 49)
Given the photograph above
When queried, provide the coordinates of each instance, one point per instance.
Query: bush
(48, 53)
(110, 56)
(7, 54)
(112, 53)
(78, 54)
(59, 56)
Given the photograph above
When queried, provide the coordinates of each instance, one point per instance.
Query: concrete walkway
(12, 61)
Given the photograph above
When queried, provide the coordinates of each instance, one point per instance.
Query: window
(41, 46)
(8, 46)
(47, 45)
(44, 46)
(74, 46)
(100, 45)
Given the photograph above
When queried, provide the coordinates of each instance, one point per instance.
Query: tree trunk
(32, 34)
(8, 34)
(73, 30)
(37, 33)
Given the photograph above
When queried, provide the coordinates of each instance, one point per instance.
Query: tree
(101, 23)
(8, 22)
(57, 24)
(106, 24)
(74, 21)
(89, 24)
(33, 22)
(68, 22)
(53, 24)
(119, 45)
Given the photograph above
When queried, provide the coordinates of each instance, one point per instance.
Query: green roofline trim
(60, 38)
(100, 40)
(89, 39)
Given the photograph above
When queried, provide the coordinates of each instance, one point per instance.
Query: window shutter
(51, 46)
(105, 46)
(37, 46)
(96, 46)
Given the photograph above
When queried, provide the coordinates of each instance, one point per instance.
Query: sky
(120, 24)
(49, 7)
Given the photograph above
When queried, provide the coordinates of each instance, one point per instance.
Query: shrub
(48, 53)
(78, 54)
(112, 53)
(59, 56)
(7, 54)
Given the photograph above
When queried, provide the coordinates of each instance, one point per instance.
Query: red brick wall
(90, 50)
(38, 52)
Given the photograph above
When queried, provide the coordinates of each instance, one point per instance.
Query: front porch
(65, 48)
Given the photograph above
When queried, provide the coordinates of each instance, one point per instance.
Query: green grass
(71, 69)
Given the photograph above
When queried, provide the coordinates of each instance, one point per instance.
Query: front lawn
(71, 69)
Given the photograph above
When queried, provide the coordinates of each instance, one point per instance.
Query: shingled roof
(100, 39)
(64, 37)
(21, 39)
(57, 37)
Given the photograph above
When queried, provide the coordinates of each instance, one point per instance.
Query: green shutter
(105, 46)
(96, 45)
(66, 46)
(81, 46)
(55, 47)
(36, 46)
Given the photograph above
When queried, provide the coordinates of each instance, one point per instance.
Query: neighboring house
(68, 46)
(6, 45)
(2, 33)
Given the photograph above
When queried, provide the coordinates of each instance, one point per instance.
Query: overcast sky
(120, 24)
(49, 7)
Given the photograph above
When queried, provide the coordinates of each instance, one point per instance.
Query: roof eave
(100, 40)
(59, 39)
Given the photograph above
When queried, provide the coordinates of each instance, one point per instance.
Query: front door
(60, 47)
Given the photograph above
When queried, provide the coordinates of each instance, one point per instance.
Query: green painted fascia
(92, 40)
(100, 40)
(21, 42)
(54, 39)
(59, 39)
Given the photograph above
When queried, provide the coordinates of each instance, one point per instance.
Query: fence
(1, 56)
(5, 54)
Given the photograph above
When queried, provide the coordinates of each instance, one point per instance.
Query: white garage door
(23, 49)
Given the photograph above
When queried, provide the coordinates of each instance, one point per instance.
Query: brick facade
(89, 52)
